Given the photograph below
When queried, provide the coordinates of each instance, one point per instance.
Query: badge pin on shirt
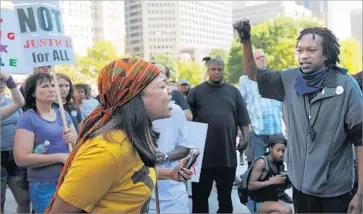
(74, 113)
(339, 90)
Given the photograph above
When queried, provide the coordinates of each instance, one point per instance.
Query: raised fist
(243, 28)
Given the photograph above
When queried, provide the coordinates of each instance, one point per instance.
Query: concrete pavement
(10, 204)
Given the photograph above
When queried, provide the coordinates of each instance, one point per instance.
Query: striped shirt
(265, 114)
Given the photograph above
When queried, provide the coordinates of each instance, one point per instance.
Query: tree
(276, 38)
(168, 61)
(191, 71)
(234, 68)
(88, 67)
(219, 52)
(351, 55)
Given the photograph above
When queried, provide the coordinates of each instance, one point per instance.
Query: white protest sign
(197, 136)
(42, 33)
(11, 51)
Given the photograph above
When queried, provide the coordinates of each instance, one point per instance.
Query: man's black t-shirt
(224, 110)
(179, 100)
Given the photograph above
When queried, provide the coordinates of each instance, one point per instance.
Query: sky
(341, 15)
(341, 18)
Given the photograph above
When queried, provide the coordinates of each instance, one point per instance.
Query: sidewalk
(10, 204)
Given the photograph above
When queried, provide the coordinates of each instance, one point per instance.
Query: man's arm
(249, 63)
(269, 82)
(188, 114)
(243, 117)
(192, 103)
(178, 153)
(182, 148)
(182, 102)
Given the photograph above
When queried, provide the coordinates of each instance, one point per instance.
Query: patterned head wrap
(118, 82)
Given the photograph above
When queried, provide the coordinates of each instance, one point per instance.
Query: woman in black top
(267, 178)
(70, 106)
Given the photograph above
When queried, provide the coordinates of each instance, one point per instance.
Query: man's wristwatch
(166, 158)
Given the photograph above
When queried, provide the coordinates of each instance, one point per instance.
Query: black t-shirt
(224, 110)
(75, 114)
(179, 100)
(269, 193)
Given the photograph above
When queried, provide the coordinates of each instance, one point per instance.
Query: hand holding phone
(191, 160)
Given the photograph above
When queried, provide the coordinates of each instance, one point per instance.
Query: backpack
(243, 191)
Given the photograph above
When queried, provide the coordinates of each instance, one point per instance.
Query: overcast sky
(341, 18)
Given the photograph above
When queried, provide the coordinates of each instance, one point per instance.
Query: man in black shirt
(222, 107)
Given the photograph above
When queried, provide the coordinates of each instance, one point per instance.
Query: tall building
(78, 24)
(90, 21)
(320, 9)
(109, 24)
(264, 12)
(356, 25)
(177, 28)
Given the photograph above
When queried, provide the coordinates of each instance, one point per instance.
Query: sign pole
(60, 102)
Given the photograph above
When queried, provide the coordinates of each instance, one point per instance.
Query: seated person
(265, 181)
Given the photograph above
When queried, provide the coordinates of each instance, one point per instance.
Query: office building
(356, 24)
(263, 12)
(78, 24)
(320, 9)
(177, 28)
(90, 21)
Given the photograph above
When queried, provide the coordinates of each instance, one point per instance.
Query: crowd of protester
(124, 150)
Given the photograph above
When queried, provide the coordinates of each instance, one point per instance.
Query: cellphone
(191, 160)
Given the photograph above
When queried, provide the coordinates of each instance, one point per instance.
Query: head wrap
(118, 82)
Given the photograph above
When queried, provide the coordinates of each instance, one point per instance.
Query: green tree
(88, 67)
(351, 55)
(276, 38)
(219, 52)
(234, 68)
(191, 71)
(167, 61)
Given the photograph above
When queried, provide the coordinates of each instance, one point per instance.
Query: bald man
(221, 106)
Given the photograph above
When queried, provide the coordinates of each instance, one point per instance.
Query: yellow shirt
(108, 177)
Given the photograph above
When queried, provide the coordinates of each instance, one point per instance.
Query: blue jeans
(251, 205)
(258, 144)
(40, 194)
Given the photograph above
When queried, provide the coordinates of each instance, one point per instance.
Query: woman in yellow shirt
(112, 169)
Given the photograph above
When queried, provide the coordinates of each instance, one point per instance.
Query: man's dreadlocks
(330, 43)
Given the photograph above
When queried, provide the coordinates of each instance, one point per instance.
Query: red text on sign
(35, 43)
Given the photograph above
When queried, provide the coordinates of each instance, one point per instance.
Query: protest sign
(42, 33)
(11, 51)
(197, 134)
(43, 39)
(48, 50)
